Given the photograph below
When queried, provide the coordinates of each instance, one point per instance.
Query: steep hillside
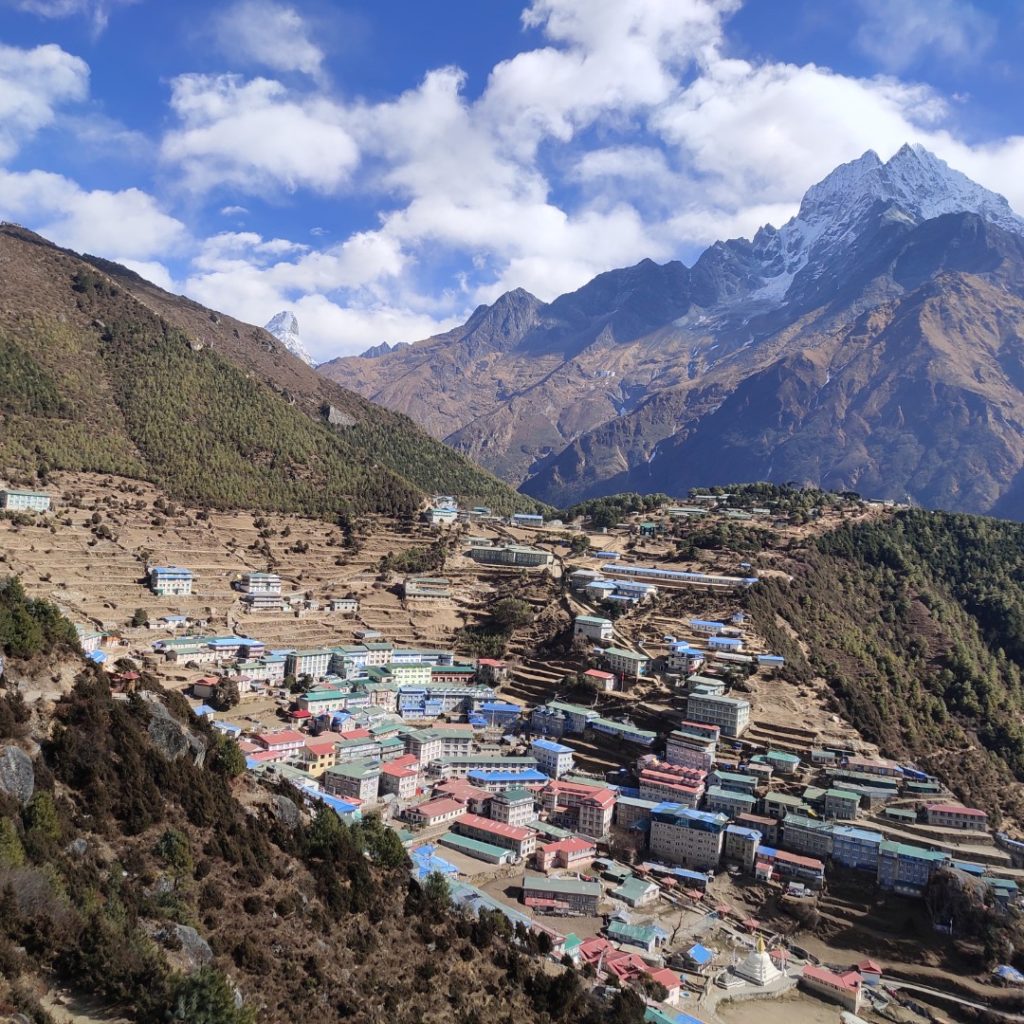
(916, 623)
(872, 343)
(101, 371)
(137, 869)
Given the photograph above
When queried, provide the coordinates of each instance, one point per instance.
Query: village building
(604, 682)
(569, 896)
(260, 583)
(359, 780)
(344, 605)
(693, 745)
(521, 841)
(741, 846)
(729, 802)
(400, 777)
(491, 671)
(688, 837)
(518, 555)
(626, 664)
(809, 836)
(584, 808)
(427, 590)
(684, 790)
(593, 627)
(856, 847)
(263, 602)
(636, 892)
(633, 811)
(12, 500)
(684, 659)
(842, 804)
(569, 853)
(512, 807)
(170, 581)
(313, 662)
(844, 989)
(477, 849)
(907, 869)
(436, 812)
(498, 714)
(476, 799)
(730, 714)
(955, 816)
(316, 758)
(554, 759)
(527, 519)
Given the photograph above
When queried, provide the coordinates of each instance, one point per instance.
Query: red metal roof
(286, 736)
(498, 828)
(972, 812)
(435, 808)
(848, 982)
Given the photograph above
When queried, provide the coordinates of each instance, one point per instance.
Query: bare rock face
(337, 418)
(286, 811)
(172, 739)
(17, 776)
(194, 948)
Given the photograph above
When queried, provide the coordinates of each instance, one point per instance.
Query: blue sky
(381, 167)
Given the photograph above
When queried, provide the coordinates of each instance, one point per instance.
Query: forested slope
(101, 371)
(916, 622)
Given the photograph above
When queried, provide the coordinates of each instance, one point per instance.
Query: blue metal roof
(700, 954)
(494, 775)
(552, 747)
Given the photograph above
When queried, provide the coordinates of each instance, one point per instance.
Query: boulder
(17, 776)
(171, 738)
(286, 811)
(194, 948)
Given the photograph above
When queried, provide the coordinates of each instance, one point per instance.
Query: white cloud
(256, 136)
(629, 133)
(897, 33)
(270, 34)
(233, 211)
(97, 11)
(33, 84)
(127, 226)
(329, 329)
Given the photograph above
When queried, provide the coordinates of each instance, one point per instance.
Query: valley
(636, 741)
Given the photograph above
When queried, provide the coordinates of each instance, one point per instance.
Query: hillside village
(575, 725)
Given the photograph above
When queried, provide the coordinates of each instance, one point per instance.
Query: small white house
(593, 627)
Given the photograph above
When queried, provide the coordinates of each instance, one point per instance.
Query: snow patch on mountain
(285, 327)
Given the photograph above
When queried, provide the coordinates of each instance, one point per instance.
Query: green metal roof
(473, 846)
(569, 886)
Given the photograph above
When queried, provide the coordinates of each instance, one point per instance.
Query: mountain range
(101, 371)
(872, 343)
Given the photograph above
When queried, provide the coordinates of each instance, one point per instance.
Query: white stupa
(758, 968)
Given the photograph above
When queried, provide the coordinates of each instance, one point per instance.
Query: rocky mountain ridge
(872, 342)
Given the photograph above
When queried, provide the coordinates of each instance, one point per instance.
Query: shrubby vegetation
(604, 513)
(29, 627)
(916, 622)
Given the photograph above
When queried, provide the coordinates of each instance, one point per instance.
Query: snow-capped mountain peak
(285, 327)
(914, 183)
